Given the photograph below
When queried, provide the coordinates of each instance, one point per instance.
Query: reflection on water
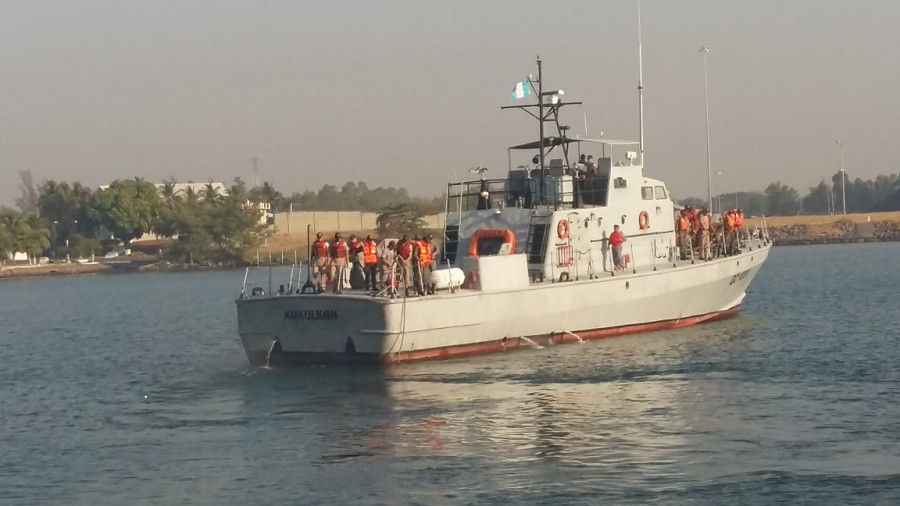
(135, 390)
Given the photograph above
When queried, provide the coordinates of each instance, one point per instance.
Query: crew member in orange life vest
(370, 261)
(319, 258)
(339, 253)
(424, 265)
(416, 266)
(682, 226)
(730, 232)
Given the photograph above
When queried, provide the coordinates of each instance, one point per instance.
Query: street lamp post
(53, 238)
(705, 51)
(841, 143)
(719, 190)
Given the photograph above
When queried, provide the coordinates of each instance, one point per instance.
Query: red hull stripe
(513, 343)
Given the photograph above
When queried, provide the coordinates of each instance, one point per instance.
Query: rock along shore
(835, 233)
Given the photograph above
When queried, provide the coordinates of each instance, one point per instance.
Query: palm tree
(169, 195)
(36, 236)
(210, 193)
(53, 200)
(190, 197)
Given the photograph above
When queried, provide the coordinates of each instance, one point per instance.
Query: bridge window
(647, 192)
(660, 192)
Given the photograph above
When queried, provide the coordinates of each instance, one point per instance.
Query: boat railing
(561, 190)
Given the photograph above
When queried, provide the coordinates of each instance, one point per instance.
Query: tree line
(778, 199)
(58, 218)
(352, 196)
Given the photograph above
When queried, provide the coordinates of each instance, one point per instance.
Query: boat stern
(312, 329)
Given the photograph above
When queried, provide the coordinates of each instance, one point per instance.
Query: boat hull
(363, 329)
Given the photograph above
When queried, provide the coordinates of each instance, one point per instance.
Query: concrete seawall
(841, 232)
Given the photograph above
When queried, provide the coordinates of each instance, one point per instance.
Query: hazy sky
(402, 93)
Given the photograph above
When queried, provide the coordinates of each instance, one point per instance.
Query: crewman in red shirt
(405, 252)
(616, 240)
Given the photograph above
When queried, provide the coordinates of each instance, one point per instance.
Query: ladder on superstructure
(536, 241)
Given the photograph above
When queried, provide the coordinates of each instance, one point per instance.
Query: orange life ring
(644, 220)
(491, 233)
(562, 229)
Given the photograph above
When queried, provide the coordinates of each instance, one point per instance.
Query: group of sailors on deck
(698, 230)
(406, 260)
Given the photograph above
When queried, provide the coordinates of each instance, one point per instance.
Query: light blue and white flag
(521, 90)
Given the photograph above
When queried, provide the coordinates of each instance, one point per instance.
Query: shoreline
(808, 231)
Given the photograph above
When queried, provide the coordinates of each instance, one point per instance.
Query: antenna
(640, 86)
(705, 51)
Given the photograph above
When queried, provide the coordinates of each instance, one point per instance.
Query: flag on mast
(521, 90)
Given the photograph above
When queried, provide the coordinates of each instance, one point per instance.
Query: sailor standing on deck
(405, 250)
(683, 225)
(425, 261)
(320, 260)
(339, 253)
(433, 253)
(370, 260)
(705, 253)
(416, 265)
(616, 240)
(388, 264)
(730, 232)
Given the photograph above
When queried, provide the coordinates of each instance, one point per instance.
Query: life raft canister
(504, 234)
(562, 229)
(644, 220)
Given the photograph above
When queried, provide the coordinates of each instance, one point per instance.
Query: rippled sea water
(134, 389)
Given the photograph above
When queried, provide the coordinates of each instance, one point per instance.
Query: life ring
(257, 291)
(505, 234)
(644, 220)
(472, 278)
(562, 229)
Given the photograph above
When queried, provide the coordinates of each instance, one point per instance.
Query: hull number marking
(311, 314)
(739, 276)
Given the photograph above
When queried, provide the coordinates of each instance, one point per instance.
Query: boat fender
(644, 220)
(258, 291)
(563, 276)
(472, 278)
(562, 229)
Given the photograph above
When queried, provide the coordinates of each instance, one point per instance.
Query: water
(134, 389)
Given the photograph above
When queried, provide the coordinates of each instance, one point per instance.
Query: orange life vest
(729, 220)
(683, 223)
(370, 253)
(424, 253)
(339, 249)
(320, 247)
(739, 220)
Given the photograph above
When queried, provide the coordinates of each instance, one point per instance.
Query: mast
(540, 99)
(640, 87)
(545, 112)
(705, 51)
